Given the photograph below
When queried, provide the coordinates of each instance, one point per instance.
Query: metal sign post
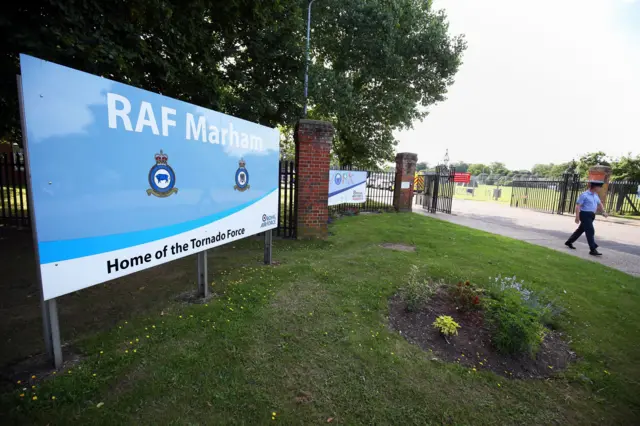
(203, 288)
(268, 244)
(50, 325)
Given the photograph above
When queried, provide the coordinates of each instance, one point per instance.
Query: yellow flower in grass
(35, 398)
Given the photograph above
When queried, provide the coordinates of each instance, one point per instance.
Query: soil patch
(472, 346)
(398, 247)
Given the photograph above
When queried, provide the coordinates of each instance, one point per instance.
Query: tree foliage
(422, 166)
(627, 168)
(477, 169)
(592, 159)
(460, 166)
(378, 65)
(240, 57)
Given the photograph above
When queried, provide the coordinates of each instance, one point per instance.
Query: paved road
(619, 239)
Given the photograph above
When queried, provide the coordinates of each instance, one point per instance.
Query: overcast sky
(541, 82)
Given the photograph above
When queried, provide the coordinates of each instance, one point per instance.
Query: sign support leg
(55, 332)
(203, 288)
(268, 239)
(46, 326)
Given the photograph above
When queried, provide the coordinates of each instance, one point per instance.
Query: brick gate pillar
(403, 189)
(602, 174)
(313, 145)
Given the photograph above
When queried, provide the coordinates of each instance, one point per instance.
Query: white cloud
(541, 82)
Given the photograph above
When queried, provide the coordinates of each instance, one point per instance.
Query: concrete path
(619, 239)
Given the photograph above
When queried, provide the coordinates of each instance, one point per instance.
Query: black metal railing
(14, 204)
(287, 220)
(380, 187)
(559, 196)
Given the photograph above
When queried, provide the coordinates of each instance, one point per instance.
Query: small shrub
(515, 327)
(466, 296)
(417, 291)
(446, 325)
(547, 311)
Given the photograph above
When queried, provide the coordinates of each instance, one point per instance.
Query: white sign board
(405, 185)
(346, 186)
(123, 179)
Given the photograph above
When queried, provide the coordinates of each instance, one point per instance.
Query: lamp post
(306, 71)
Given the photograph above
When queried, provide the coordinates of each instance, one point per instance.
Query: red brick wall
(405, 172)
(313, 145)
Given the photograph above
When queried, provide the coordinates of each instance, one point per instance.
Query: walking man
(586, 207)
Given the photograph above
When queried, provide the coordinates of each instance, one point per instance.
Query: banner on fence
(347, 186)
(124, 179)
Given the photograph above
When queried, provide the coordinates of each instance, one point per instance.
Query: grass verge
(308, 340)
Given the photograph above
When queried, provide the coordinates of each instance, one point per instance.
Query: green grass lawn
(308, 340)
(483, 193)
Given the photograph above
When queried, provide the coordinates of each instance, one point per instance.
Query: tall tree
(627, 168)
(498, 168)
(460, 166)
(241, 57)
(422, 166)
(378, 65)
(592, 159)
(477, 169)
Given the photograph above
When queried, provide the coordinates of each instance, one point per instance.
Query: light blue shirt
(588, 201)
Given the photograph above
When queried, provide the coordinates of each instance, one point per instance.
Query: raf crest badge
(242, 177)
(162, 178)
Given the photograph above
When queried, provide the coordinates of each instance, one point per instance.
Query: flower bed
(504, 327)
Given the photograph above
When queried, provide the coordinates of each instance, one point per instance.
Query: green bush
(417, 291)
(515, 326)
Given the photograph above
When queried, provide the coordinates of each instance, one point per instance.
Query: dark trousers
(586, 226)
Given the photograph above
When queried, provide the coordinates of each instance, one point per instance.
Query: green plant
(515, 327)
(466, 297)
(446, 325)
(417, 291)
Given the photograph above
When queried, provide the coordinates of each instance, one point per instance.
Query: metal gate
(439, 187)
(288, 217)
(14, 204)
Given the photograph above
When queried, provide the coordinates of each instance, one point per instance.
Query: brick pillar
(403, 190)
(601, 174)
(313, 144)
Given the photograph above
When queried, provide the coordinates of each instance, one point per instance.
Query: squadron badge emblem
(162, 178)
(242, 177)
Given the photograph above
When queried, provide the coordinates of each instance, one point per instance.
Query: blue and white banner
(123, 179)
(346, 186)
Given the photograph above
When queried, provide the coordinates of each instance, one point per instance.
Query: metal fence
(287, 220)
(437, 191)
(380, 187)
(14, 204)
(560, 196)
(623, 197)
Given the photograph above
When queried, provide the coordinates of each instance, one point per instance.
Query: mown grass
(483, 193)
(308, 340)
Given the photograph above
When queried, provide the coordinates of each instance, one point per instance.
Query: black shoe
(595, 253)
(568, 244)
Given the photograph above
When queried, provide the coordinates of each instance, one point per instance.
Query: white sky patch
(541, 82)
